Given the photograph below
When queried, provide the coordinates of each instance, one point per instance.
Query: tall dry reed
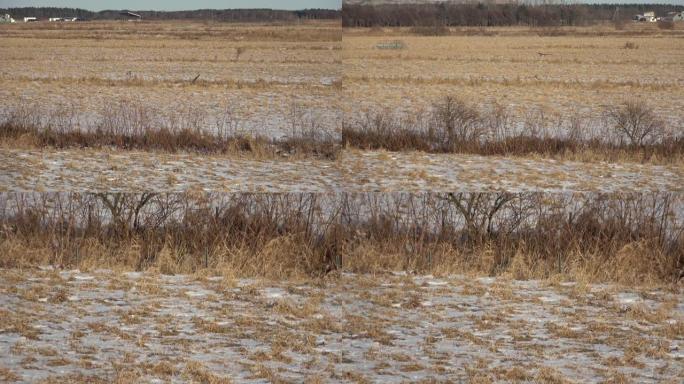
(629, 238)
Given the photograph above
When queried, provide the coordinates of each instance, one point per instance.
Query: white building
(30, 19)
(648, 17)
(674, 16)
(52, 19)
(6, 19)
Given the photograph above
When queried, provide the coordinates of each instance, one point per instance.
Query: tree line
(227, 15)
(480, 14)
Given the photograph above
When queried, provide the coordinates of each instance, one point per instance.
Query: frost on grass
(354, 171)
(104, 326)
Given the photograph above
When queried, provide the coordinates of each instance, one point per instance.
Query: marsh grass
(631, 131)
(631, 239)
(133, 127)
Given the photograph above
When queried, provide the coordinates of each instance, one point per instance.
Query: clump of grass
(198, 372)
(630, 45)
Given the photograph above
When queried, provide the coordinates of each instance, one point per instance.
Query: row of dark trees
(228, 15)
(480, 14)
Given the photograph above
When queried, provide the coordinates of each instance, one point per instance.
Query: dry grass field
(256, 78)
(49, 170)
(213, 328)
(561, 72)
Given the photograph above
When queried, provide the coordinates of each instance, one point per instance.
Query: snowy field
(102, 326)
(354, 171)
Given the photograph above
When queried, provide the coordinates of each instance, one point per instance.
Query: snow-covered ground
(354, 171)
(141, 327)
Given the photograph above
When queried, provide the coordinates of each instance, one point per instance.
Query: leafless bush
(431, 30)
(638, 122)
(461, 122)
(630, 45)
(130, 126)
(453, 126)
(632, 238)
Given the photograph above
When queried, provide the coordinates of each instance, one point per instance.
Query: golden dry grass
(253, 72)
(581, 71)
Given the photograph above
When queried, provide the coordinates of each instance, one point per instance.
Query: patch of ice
(627, 298)
(274, 293)
(437, 283)
(549, 299)
(195, 293)
(133, 275)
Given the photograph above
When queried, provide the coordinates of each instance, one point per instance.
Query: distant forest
(228, 15)
(481, 14)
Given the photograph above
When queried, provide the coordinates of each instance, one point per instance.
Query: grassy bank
(631, 239)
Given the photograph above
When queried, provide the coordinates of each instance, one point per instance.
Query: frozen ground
(90, 170)
(103, 326)
(417, 171)
(119, 171)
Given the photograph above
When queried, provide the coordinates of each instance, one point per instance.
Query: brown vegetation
(454, 126)
(634, 239)
(136, 128)
(479, 14)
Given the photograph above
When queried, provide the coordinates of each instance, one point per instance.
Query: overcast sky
(173, 5)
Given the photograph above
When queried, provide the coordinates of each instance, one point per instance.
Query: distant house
(30, 19)
(647, 17)
(130, 16)
(6, 19)
(674, 16)
(53, 19)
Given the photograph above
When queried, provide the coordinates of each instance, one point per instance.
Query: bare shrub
(638, 122)
(382, 130)
(453, 126)
(630, 45)
(629, 238)
(431, 30)
(136, 127)
(458, 120)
